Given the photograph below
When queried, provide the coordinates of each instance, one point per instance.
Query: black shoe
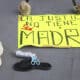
(23, 65)
(43, 66)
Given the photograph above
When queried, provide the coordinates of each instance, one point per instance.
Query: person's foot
(24, 8)
(1, 52)
(77, 8)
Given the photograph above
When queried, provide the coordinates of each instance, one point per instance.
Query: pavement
(65, 62)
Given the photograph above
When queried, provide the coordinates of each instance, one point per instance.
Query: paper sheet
(49, 30)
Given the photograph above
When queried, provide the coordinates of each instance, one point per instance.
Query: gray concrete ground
(65, 62)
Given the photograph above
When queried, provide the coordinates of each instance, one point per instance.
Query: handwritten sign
(49, 30)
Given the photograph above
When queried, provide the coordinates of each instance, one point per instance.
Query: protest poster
(49, 30)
